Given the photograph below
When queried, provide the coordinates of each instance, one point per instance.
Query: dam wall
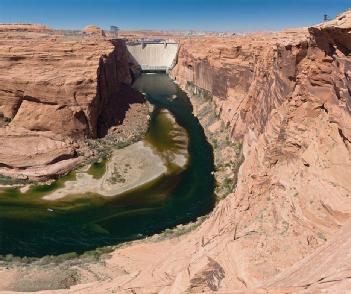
(154, 56)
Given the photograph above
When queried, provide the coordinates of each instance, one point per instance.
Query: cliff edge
(285, 227)
(54, 92)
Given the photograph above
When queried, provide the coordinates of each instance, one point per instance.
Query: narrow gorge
(247, 141)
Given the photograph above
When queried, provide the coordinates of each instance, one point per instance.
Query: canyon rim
(271, 112)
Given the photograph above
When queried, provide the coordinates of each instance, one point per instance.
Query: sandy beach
(132, 166)
(127, 169)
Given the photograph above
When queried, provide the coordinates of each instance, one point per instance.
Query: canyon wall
(54, 91)
(285, 226)
(287, 96)
(54, 83)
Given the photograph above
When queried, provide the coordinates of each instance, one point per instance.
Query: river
(35, 227)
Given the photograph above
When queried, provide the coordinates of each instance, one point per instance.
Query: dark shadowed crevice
(344, 138)
(115, 110)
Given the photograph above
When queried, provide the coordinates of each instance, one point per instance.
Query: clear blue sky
(215, 15)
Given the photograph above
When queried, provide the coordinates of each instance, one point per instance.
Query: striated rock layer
(285, 228)
(287, 96)
(54, 90)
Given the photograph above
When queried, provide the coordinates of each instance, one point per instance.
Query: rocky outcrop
(22, 27)
(284, 229)
(69, 78)
(36, 155)
(286, 96)
(95, 30)
(58, 86)
(248, 77)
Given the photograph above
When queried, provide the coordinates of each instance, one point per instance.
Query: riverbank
(127, 168)
(149, 201)
(228, 155)
(164, 151)
(130, 130)
(81, 272)
(49, 106)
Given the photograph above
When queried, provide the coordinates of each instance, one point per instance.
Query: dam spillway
(154, 56)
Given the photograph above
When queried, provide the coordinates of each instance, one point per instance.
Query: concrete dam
(153, 55)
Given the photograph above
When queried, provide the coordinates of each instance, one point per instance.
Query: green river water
(31, 226)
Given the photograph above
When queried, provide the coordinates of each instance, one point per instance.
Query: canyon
(56, 91)
(276, 108)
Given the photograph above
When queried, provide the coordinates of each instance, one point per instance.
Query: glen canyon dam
(197, 147)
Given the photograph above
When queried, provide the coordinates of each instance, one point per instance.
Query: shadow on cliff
(115, 110)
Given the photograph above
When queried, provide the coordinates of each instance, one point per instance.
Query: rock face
(285, 228)
(44, 75)
(31, 154)
(287, 97)
(52, 85)
(91, 29)
(25, 28)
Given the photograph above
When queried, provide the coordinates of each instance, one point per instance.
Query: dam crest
(157, 56)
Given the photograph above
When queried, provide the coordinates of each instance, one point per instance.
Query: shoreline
(128, 168)
(100, 254)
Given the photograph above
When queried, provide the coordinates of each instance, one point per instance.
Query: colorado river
(84, 214)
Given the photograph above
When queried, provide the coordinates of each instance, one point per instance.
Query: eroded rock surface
(284, 229)
(92, 29)
(57, 87)
(28, 154)
(287, 97)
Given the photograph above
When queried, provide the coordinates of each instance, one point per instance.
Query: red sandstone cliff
(284, 229)
(51, 82)
(54, 89)
(287, 96)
